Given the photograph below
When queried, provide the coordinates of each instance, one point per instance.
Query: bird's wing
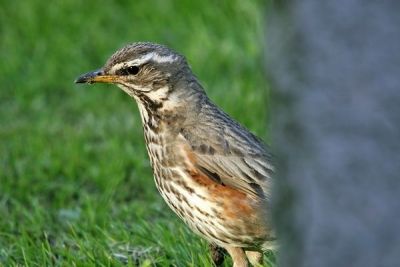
(237, 161)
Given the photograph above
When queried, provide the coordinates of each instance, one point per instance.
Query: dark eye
(132, 70)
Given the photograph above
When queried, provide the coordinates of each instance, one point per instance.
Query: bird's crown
(140, 53)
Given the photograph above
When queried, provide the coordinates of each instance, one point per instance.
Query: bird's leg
(255, 257)
(217, 254)
(238, 256)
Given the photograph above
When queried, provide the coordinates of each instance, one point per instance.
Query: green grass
(76, 187)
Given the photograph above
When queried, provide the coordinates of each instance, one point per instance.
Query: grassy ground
(76, 188)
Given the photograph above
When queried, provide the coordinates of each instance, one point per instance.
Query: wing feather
(239, 161)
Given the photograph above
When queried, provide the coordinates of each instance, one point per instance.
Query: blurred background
(76, 187)
(334, 70)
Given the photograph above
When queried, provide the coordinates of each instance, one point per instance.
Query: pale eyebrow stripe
(163, 59)
(146, 58)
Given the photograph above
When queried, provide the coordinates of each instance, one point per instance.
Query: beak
(97, 76)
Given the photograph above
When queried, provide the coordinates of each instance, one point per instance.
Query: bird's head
(145, 71)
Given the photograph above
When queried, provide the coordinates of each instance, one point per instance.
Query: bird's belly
(217, 213)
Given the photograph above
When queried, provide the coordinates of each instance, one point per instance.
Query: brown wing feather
(227, 152)
(224, 164)
(231, 171)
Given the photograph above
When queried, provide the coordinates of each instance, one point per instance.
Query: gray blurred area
(335, 67)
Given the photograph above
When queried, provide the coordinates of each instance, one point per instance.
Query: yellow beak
(96, 76)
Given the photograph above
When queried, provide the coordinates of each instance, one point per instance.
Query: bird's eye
(132, 70)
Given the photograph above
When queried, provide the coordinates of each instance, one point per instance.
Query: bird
(211, 171)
